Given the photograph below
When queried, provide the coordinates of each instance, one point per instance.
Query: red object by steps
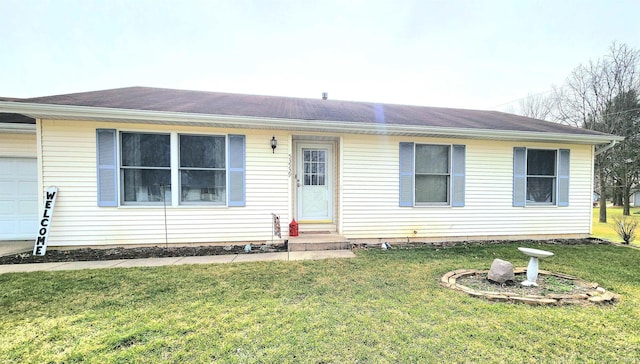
(293, 228)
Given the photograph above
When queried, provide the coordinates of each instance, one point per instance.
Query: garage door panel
(27, 227)
(27, 208)
(18, 198)
(27, 168)
(8, 188)
(8, 228)
(7, 164)
(7, 208)
(26, 189)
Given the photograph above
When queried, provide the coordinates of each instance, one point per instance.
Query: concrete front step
(318, 242)
(304, 247)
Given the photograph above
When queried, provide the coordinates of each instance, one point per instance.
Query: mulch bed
(546, 284)
(89, 254)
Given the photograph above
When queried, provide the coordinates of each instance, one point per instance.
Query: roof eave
(72, 112)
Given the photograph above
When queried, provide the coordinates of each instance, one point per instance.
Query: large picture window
(145, 167)
(202, 169)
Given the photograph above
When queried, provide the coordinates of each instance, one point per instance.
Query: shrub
(626, 228)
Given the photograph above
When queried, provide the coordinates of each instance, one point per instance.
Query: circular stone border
(595, 295)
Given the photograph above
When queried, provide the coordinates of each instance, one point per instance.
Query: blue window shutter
(458, 175)
(563, 178)
(236, 170)
(519, 176)
(107, 167)
(406, 174)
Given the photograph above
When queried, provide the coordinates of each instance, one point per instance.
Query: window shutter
(236, 170)
(563, 178)
(107, 167)
(458, 175)
(406, 174)
(519, 176)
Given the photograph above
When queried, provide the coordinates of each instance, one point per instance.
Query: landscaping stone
(499, 298)
(595, 295)
(501, 271)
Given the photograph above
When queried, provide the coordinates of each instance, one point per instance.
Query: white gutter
(71, 112)
(17, 128)
(604, 149)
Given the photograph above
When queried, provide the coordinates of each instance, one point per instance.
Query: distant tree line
(602, 95)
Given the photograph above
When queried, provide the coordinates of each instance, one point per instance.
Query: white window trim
(449, 178)
(174, 140)
(554, 202)
(179, 168)
(120, 178)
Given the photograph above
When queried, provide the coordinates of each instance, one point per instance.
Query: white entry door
(314, 181)
(18, 198)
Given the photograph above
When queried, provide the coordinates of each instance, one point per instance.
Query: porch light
(274, 144)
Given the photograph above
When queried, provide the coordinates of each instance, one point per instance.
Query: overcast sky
(464, 54)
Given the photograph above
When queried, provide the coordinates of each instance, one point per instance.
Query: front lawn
(605, 230)
(383, 306)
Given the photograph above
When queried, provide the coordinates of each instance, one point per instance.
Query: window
(315, 164)
(145, 167)
(540, 177)
(208, 169)
(432, 174)
(202, 169)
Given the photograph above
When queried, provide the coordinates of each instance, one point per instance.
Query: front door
(314, 181)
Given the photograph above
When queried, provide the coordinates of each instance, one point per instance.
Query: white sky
(449, 53)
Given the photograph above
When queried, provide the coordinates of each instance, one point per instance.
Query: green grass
(383, 306)
(605, 230)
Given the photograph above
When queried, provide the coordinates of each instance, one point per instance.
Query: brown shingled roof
(216, 103)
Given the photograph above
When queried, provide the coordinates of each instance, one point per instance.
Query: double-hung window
(145, 168)
(540, 177)
(432, 175)
(199, 169)
(203, 173)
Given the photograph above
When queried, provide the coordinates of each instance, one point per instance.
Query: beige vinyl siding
(371, 208)
(18, 145)
(69, 160)
(367, 192)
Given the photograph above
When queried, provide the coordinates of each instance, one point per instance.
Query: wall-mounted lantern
(274, 144)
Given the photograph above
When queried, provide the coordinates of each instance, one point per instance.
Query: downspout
(602, 150)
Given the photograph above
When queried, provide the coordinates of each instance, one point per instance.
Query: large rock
(501, 271)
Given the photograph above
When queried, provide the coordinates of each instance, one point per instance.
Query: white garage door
(18, 198)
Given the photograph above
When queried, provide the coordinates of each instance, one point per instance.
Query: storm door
(314, 182)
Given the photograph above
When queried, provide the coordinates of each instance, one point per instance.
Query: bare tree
(624, 159)
(537, 106)
(591, 98)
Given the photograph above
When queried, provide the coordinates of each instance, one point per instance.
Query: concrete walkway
(15, 247)
(157, 262)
